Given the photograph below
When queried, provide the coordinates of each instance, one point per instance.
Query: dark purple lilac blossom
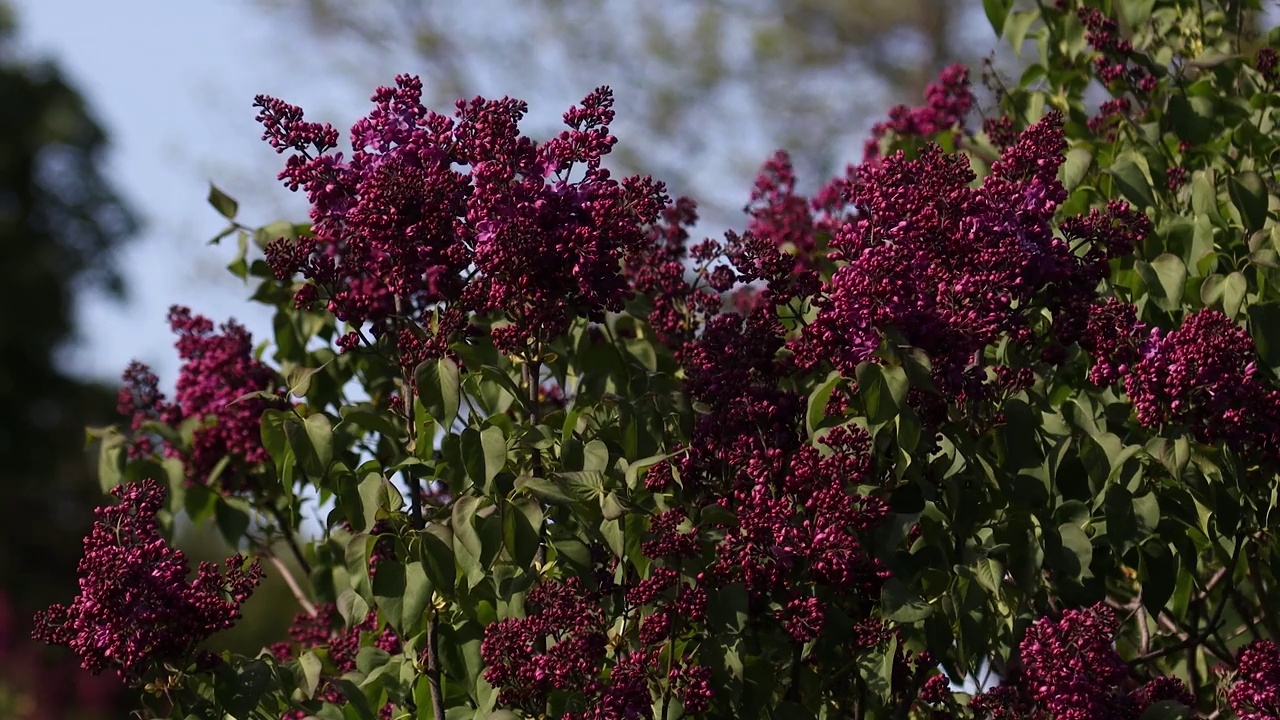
(1255, 693)
(137, 608)
(434, 219)
(217, 371)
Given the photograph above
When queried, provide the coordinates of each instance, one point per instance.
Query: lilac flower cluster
(136, 608)
(325, 629)
(567, 618)
(657, 272)
(1113, 66)
(1204, 377)
(1070, 670)
(218, 369)
(779, 214)
(948, 101)
(1266, 61)
(434, 219)
(1255, 693)
(949, 266)
(798, 535)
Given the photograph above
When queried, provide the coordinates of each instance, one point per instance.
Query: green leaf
(484, 453)
(997, 13)
(1204, 197)
(222, 202)
(612, 531)
(1233, 294)
(372, 420)
(498, 376)
(417, 596)
(299, 380)
(312, 443)
(542, 489)
(1166, 710)
(437, 558)
(1146, 510)
(816, 411)
(352, 607)
(355, 698)
(595, 456)
(901, 604)
(1075, 166)
(311, 666)
(232, 517)
(1077, 551)
(1016, 27)
(424, 432)
(378, 498)
(611, 507)
(1193, 119)
(239, 690)
(875, 666)
(1133, 177)
(990, 574)
(439, 388)
(1264, 327)
(1249, 195)
(199, 502)
(883, 390)
(389, 585)
(1158, 572)
(1136, 12)
(521, 523)
(468, 548)
(1166, 278)
(111, 457)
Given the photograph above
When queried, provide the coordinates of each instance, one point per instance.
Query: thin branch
(286, 529)
(1144, 631)
(293, 584)
(433, 665)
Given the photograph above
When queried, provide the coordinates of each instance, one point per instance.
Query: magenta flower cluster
(951, 267)
(947, 102)
(1203, 378)
(799, 530)
(562, 648)
(438, 217)
(325, 629)
(657, 273)
(1070, 670)
(137, 608)
(218, 369)
(1255, 692)
(567, 621)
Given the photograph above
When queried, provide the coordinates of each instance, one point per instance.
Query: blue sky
(173, 83)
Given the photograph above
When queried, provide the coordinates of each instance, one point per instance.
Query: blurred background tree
(60, 225)
(809, 76)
